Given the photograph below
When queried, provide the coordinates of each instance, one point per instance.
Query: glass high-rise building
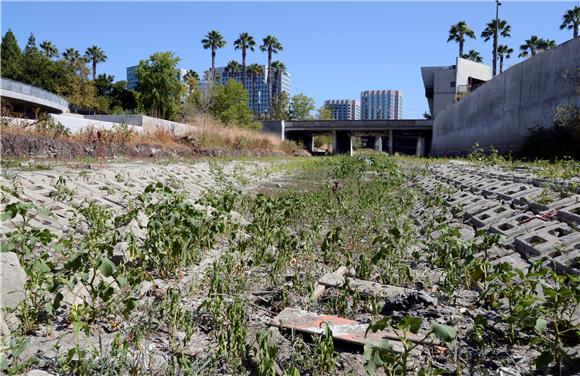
(381, 104)
(343, 109)
(257, 88)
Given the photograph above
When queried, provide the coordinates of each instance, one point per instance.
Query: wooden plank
(345, 330)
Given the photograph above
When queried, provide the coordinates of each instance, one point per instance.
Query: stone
(13, 279)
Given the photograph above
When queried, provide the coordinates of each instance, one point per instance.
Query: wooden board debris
(345, 330)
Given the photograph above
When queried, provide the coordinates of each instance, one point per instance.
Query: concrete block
(491, 216)
(547, 241)
(568, 262)
(512, 226)
(570, 214)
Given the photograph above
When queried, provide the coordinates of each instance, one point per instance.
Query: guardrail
(22, 88)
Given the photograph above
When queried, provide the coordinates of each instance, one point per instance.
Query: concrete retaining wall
(147, 123)
(502, 111)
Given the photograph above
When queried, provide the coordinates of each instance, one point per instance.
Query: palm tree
(271, 45)
(458, 32)
(504, 52)
(490, 31)
(48, 49)
(255, 70)
(534, 45)
(96, 55)
(244, 42)
(71, 55)
(191, 74)
(233, 66)
(571, 20)
(278, 67)
(473, 55)
(213, 40)
(547, 44)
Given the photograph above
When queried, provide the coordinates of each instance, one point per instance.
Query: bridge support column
(341, 143)
(378, 143)
(391, 141)
(420, 146)
(309, 142)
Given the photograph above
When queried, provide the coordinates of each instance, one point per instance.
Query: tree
(473, 55)
(271, 45)
(158, 87)
(104, 84)
(213, 40)
(191, 74)
(279, 68)
(31, 44)
(301, 107)
(458, 32)
(48, 49)
(11, 57)
(534, 45)
(233, 66)
(71, 55)
(230, 104)
(324, 113)
(255, 70)
(491, 31)
(281, 103)
(504, 52)
(95, 55)
(571, 20)
(244, 42)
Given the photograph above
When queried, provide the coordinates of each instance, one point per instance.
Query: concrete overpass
(412, 136)
(25, 98)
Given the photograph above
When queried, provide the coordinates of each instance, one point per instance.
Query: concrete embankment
(502, 112)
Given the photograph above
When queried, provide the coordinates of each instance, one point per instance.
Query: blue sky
(333, 50)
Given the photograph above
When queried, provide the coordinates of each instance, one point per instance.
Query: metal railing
(22, 88)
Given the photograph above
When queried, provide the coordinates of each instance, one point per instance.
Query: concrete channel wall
(502, 111)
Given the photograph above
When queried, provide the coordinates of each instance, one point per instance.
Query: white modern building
(381, 104)
(448, 84)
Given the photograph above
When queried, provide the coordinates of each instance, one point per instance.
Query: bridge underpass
(410, 137)
(26, 99)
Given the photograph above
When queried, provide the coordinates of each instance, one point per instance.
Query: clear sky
(334, 50)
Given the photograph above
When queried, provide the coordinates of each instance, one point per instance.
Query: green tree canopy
(158, 87)
(301, 107)
(458, 32)
(230, 104)
(324, 113)
(11, 57)
(280, 105)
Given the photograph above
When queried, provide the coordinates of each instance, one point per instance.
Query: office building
(343, 109)
(257, 89)
(381, 104)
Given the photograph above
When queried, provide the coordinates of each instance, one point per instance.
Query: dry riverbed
(307, 266)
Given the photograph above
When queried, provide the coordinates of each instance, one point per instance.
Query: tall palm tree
(458, 32)
(234, 66)
(571, 20)
(71, 55)
(48, 49)
(278, 67)
(490, 31)
(213, 40)
(534, 45)
(96, 55)
(244, 42)
(504, 52)
(473, 55)
(255, 70)
(271, 45)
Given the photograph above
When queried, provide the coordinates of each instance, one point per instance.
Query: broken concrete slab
(13, 280)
